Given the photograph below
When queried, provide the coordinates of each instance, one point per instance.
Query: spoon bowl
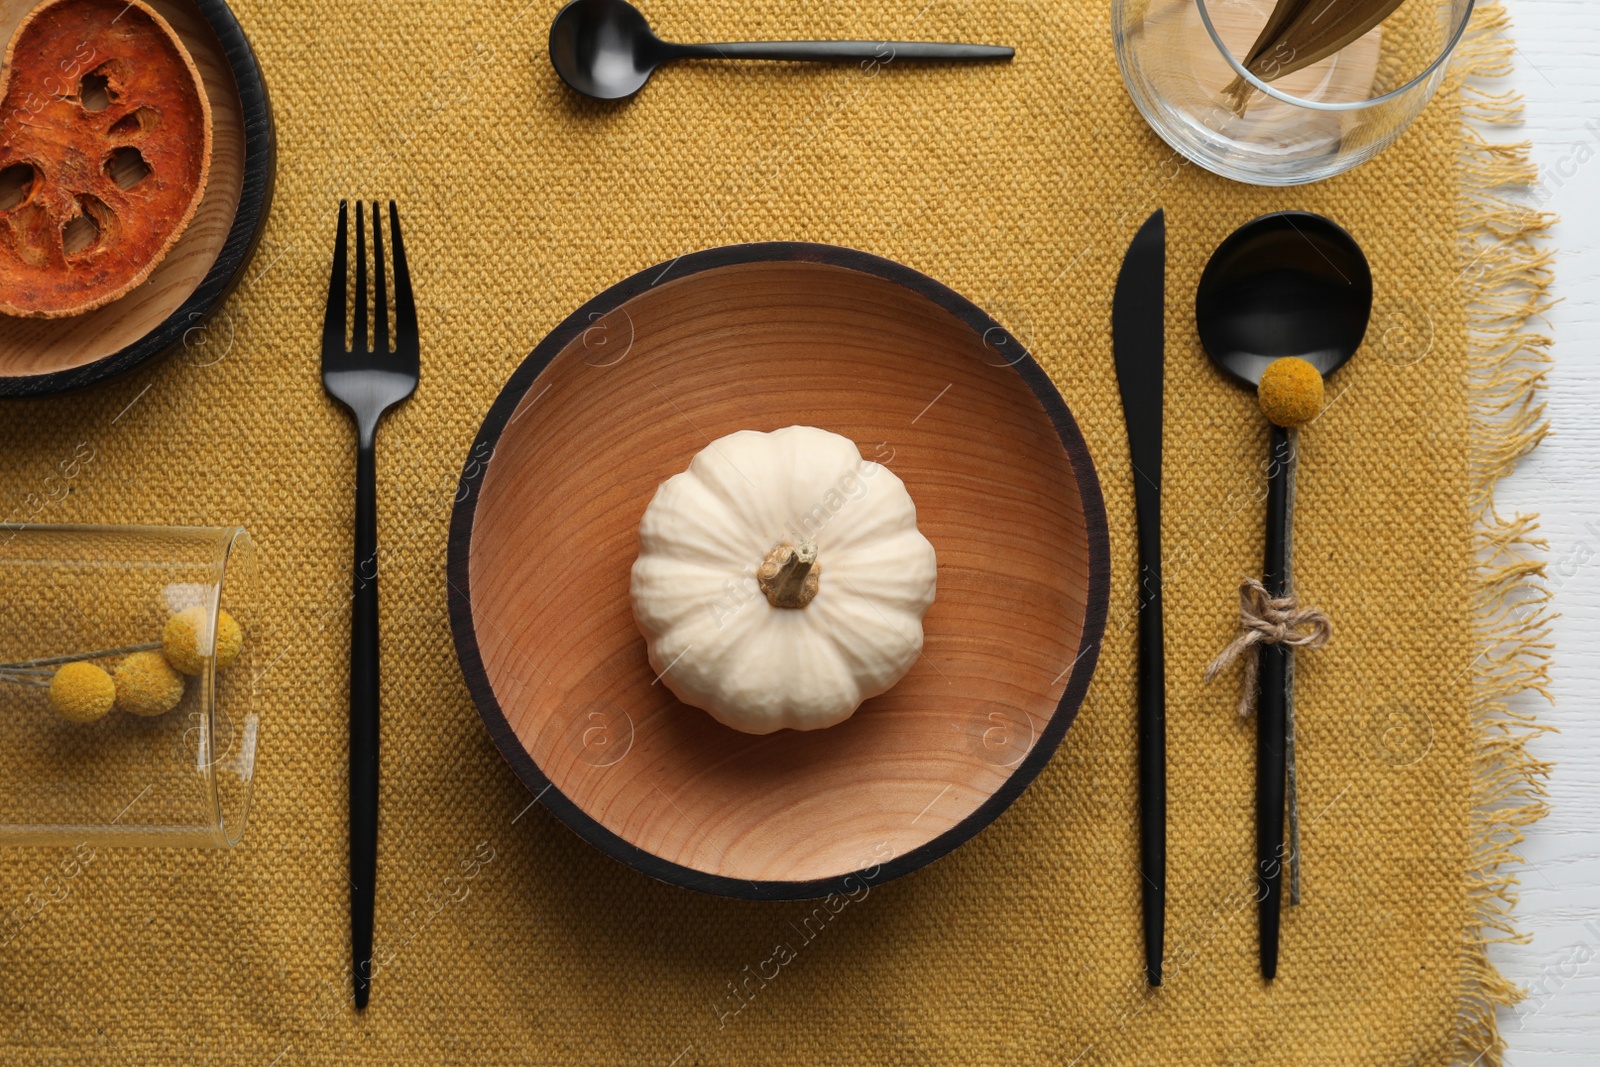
(604, 48)
(1286, 284)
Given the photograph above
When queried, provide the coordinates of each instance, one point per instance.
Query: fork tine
(380, 295)
(358, 337)
(407, 339)
(334, 320)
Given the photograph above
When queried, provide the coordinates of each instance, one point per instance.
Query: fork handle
(364, 721)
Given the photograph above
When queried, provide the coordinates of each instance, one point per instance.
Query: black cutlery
(369, 379)
(1286, 284)
(1138, 324)
(606, 49)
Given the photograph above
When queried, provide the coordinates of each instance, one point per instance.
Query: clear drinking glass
(1178, 58)
(128, 710)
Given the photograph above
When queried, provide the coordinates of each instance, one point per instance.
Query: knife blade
(1138, 334)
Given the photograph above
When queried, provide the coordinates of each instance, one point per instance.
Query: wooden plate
(620, 397)
(43, 356)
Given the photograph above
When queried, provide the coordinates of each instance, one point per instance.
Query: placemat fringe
(1506, 277)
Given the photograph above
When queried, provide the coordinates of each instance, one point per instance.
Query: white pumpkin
(781, 580)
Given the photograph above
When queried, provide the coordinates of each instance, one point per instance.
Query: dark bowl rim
(460, 588)
(249, 220)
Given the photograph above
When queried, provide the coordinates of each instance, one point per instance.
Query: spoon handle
(1271, 712)
(840, 51)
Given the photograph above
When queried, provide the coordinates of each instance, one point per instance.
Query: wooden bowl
(43, 356)
(620, 397)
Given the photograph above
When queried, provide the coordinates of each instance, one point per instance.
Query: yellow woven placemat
(505, 939)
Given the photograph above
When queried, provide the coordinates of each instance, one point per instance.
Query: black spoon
(605, 49)
(1286, 284)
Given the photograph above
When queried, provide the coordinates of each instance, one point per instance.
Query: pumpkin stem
(790, 574)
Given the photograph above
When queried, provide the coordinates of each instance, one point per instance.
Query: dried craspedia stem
(790, 574)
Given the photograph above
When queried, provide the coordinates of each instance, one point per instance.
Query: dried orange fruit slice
(105, 147)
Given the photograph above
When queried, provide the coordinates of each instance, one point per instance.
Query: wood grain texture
(548, 531)
(41, 356)
(1558, 1025)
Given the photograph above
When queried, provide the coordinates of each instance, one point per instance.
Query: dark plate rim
(255, 198)
(460, 590)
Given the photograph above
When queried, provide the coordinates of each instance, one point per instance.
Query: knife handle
(1152, 732)
(1271, 713)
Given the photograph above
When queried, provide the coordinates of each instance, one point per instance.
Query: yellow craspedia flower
(82, 692)
(1290, 391)
(147, 684)
(183, 643)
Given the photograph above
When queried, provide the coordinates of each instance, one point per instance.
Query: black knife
(1138, 331)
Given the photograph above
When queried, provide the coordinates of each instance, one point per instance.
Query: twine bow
(1268, 620)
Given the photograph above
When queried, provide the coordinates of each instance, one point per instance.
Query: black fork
(368, 379)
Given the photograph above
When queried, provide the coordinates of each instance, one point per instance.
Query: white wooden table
(1558, 69)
